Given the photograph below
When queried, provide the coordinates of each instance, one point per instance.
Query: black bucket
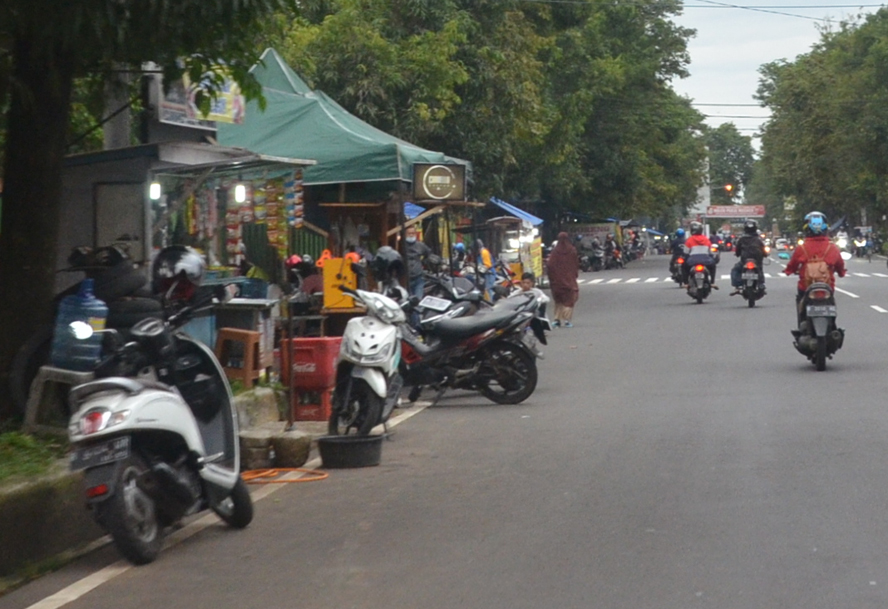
(338, 452)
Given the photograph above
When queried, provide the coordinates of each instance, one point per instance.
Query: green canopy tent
(301, 123)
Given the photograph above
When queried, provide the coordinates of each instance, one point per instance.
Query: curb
(44, 524)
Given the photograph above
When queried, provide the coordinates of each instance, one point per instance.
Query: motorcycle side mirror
(846, 255)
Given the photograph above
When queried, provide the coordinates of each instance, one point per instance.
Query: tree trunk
(35, 148)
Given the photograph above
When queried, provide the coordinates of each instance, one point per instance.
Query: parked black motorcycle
(817, 336)
(116, 282)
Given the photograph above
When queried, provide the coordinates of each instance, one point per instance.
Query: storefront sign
(439, 182)
(735, 211)
(178, 106)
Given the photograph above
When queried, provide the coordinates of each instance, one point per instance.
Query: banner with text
(735, 211)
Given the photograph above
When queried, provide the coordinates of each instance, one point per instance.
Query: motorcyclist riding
(748, 247)
(697, 248)
(816, 245)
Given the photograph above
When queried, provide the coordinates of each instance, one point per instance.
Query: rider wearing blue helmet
(816, 246)
(677, 248)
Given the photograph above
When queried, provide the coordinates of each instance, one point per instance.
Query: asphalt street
(674, 455)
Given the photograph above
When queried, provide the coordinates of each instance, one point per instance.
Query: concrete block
(257, 407)
(291, 448)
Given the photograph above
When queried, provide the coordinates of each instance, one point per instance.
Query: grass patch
(24, 456)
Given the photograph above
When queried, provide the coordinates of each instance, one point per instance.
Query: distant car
(782, 245)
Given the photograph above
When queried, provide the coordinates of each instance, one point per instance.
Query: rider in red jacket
(697, 250)
(816, 244)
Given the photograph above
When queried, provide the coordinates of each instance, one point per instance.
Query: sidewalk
(44, 522)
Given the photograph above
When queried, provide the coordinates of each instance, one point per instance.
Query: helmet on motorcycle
(460, 247)
(680, 232)
(176, 272)
(387, 263)
(815, 224)
(750, 227)
(696, 228)
(307, 260)
(293, 260)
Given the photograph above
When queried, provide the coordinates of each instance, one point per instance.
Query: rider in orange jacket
(816, 244)
(694, 246)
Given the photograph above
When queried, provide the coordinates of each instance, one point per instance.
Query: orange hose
(259, 476)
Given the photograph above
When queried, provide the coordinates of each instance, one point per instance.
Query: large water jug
(68, 351)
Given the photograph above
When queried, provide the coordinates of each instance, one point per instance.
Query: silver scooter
(156, 436)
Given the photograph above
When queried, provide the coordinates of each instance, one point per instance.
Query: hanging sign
(735, 211)
(440, 182)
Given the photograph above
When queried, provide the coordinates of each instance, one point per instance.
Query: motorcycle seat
(463, 327)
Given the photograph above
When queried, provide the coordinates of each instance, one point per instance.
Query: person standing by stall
(416, 251)
(563, 267)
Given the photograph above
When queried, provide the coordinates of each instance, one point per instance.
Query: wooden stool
(48, 409)
(250, 368)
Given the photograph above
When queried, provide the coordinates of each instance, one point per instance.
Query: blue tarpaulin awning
(655, 232)
(517, 212)
(411, 210)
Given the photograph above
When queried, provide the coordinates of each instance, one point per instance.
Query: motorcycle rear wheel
(130, 516)
(361, 414)
(512, 369)
(820, 354)
(751, 301)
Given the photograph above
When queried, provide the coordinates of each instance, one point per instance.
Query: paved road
(675, 455)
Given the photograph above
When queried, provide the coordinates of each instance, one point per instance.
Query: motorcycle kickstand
(438, 396)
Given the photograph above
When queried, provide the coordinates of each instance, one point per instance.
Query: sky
(732, 43)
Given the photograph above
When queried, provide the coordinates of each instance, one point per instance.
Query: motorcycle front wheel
(130, 516)
(236, 510)
(508, 374)
(360, 414)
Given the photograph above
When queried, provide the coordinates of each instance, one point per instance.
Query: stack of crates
(314, 370)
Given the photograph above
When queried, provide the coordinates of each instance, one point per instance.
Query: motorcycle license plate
(821, 310)
(699, 277)
(434, 303)
(100, 454)
(750, 276)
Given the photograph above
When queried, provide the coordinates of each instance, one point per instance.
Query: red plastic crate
(312, 405)
(314, 362)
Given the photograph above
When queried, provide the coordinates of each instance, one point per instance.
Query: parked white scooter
(367, 379)
(156, 437)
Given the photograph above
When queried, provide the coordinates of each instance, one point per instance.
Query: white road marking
(581, 281)
(668, 279)
(878, 309)
(861, 274)
(651, 279)
(633, 280)
(83, 586)
(617, 280)
(768, 275)
(596, 281)
(847, 293)
(880, 275)
(726, 276)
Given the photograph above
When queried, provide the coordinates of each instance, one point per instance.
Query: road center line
(596, 281)
(878, 309)
(880, 275)
(617, 280)
(633, 280)
(651, 279)
(861, 274)
(847, 293)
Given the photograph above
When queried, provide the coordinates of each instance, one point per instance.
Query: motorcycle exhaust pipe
(836, 337)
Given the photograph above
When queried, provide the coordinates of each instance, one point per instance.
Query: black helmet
(750, 227)
(307, 260)
(177, 271)
(696, 228)
(387, 263)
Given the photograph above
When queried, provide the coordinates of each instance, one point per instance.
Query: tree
(826, 144)
(730, 162)
(44, 46)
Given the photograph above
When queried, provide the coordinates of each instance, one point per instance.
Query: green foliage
(24, 456)
(730, 162)
(827, 141)
(566, 103)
